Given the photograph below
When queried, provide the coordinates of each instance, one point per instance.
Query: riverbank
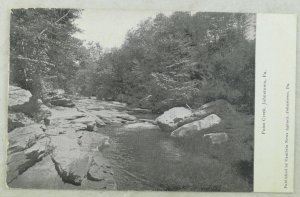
(94, 144)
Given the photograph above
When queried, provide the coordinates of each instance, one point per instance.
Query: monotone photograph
(131, 100)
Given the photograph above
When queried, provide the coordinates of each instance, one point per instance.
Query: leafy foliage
(42, 45)
(183, 60)
(167, 61)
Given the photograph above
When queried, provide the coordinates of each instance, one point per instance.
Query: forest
(183, 59)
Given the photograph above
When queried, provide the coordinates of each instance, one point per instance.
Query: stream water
(150, 159)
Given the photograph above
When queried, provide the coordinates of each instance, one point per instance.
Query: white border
(275, 69)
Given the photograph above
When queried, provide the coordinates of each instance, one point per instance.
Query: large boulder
(72, 153)
(219, 107)
(16, 120)
(71, 166)
(169, 120)
(197, 126)
(70, 162)
(18, 97)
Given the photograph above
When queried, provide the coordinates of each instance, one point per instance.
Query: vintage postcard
(147, 100)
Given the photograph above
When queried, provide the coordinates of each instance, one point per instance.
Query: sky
(109, 27)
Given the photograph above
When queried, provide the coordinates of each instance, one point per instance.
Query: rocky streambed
(85, 143)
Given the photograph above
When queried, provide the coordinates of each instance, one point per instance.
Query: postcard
(150, 100)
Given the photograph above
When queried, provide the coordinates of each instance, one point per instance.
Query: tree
(42, 44)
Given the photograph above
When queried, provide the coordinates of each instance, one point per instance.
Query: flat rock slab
(65, 113)
(113, 116)
(42, 175)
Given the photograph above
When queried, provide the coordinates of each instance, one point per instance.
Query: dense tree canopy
(179, 60)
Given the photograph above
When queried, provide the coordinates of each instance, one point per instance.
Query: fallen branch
(188, 106)
(34, 60)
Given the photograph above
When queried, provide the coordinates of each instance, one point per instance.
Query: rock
(99, 170)
(194, 127)
(65, 113)
(70, 162)
(89, 121)
(126, 117)
(220, 107)
(18, 97)
(100, 123)
(188, 120)
(216, 138)
(71, 166)
(69, 148)
(141, 125)
(27, 146)
(53, 94)
(149, 121)
(24, 137)
(90, 126)
(72, 151)
(79, 126)
(104, 144)
(40, 176)
(76, 117)
(46, 121)
(38, 149)
(64, 102)
(43, 113)
(19, 162)
(14, 162)
(92, 141)
(168, 120)
(113, 116)
(16, 120)
(140, 110)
